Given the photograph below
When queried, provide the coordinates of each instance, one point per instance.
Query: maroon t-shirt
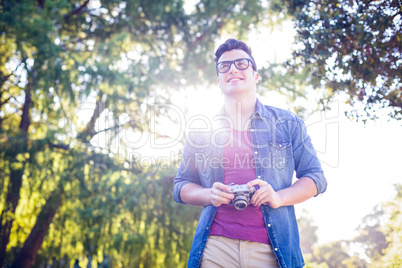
(247, 224)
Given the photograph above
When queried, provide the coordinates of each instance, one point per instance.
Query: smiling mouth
(235, 79)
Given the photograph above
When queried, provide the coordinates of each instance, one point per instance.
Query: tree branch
(28, 252)
(76, 11)
(89, 132)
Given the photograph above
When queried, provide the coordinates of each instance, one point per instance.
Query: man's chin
(234, 91)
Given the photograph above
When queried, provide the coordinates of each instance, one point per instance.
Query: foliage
(378, 243)
(353, 47)
(308, 232)
(78, 80)
(391, 256)
(332, 254)
(132, 224)
(291, 84)
(371, 238)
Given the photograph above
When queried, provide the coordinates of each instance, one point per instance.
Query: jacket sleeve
(187, 172)
(305, 157)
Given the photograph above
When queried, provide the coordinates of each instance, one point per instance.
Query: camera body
(242, 195)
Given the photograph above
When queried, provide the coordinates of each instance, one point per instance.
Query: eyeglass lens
(240, 64)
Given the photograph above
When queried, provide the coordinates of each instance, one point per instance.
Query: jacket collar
(259, 110)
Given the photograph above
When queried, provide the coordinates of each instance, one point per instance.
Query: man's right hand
(220, 194)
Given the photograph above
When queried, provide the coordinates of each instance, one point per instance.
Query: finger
(219, 200)
(258, 182)
(261, 199)
(221, 186)
(256, 199)
(222, 196)
(225, 194)
(220, 189)
(252, 183)
(219, 197)
(262, 195)
(224, 200)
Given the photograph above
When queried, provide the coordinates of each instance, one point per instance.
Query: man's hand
(300, 191)
(218, 196)
(265, 195)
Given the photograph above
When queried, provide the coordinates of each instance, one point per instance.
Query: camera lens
(240, 202)
(240, 205)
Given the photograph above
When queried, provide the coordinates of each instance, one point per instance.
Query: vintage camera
(242, 195)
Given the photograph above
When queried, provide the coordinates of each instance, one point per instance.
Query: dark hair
(231, 44)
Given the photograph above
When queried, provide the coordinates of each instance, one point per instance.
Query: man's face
(235, 81)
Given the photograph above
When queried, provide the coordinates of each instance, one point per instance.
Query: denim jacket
(281, 146)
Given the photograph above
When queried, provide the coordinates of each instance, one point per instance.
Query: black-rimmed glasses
(241, 64)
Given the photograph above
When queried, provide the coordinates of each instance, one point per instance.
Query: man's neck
(240, 109)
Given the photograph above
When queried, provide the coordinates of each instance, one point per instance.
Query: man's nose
(233, 68)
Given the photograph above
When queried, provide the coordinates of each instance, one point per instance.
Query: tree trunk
(15, 182)
(7, 215)
(26, 256)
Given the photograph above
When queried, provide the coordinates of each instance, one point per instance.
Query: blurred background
(96, 97)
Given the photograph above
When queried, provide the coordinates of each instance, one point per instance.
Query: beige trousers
(226, 252)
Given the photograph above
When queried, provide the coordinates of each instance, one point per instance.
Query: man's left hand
(265, 195)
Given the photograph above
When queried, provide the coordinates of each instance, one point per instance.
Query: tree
(71, 163)
(378, 243)
(391, 255)
(371, 238)
(50, 62)
(352, 47)
(332, 254)
(308, 232)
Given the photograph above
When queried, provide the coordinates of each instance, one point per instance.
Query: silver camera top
(242, 195)
(236, 188)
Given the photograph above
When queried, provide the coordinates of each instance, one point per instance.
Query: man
(254, 145)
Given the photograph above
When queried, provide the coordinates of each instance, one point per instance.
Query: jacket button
(269, 225)
(276, 249)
